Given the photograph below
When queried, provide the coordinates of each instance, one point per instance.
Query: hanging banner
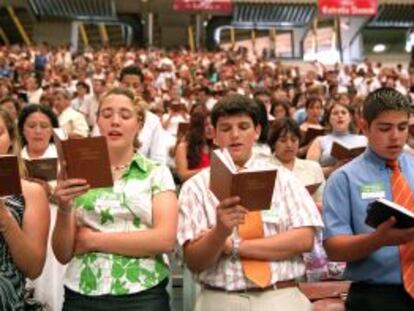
(203, 5)
(348, 7)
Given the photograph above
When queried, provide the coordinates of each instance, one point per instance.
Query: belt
(277, 285)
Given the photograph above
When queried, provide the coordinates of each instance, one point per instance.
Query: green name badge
(270, 216)
(372, 191)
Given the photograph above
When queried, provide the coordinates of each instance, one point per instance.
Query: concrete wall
(55, 33)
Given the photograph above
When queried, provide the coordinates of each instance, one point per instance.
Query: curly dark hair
(195, 138)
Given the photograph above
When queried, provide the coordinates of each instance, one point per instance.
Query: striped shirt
(292, 207)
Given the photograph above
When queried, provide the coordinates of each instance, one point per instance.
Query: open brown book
(85, 158)
(311, 134)
(9, 176)
(178, 107)
(254, 187)
(342, 151)
(45, 169)
(312, 188)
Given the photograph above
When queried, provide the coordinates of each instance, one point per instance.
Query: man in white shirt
(152, 136)
(72, 121)
(216, 243)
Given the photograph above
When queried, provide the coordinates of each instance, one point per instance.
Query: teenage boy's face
(238, 134)
(388, 133)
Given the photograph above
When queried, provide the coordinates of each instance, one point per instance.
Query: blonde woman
(116, 258)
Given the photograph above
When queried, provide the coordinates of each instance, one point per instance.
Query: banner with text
(348, 7)
(203, 5)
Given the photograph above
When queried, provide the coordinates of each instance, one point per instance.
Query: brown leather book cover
(255, 188)
(311, 134)
(85, 158)
(341, 151)
(9, 176)
(312, 188)
(178, 107)
(45, 169)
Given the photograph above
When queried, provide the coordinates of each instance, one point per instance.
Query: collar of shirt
(249, 164)
(373, 157)
(139, 162)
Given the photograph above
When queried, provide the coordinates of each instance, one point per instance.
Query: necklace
(117, 168)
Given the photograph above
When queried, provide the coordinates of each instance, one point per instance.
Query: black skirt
(152, 299)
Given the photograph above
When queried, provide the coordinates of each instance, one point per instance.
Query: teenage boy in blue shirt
(372, 255)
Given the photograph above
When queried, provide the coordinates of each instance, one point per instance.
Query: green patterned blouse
(126, 207)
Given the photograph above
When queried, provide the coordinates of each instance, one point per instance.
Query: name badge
(372, 191)
(270, 216)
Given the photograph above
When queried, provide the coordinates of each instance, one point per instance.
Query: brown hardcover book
(85, 158)
(312, 188)
(255, 188)
(341, 151)
(9, 176)
(45, 169)
(311, 134)
(178, 107)
(182, 129)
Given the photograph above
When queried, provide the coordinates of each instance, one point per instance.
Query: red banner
(203, 5)
(348, 7)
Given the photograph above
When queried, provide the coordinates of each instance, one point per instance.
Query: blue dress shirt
(347, 194)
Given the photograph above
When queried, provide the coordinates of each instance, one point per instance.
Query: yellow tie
(402, 195)
(257, 271)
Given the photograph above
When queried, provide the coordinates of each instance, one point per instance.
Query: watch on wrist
(235, 245)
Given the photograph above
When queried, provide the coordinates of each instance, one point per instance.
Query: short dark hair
(261, 91)
(384, 99)
(84, 85)
(280, 128)
(284, 103)
(312, 100)
(131, 70)
(30, 109)
(235, 104)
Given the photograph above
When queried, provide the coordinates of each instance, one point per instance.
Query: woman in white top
(24, 223)
(283, 139)
(340, 120)
(36, 123)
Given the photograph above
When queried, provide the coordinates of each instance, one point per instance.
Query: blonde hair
(15, 147)
(138, 104)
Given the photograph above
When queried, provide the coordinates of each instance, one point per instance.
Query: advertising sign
(348, 7)
(203, 5)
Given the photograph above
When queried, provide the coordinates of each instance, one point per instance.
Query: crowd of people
(163, 113)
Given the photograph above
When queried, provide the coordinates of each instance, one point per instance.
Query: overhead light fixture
(379, 48)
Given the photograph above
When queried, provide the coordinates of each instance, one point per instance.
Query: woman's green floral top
(126, 207)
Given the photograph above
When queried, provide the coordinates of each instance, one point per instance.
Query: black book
(381, 210)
